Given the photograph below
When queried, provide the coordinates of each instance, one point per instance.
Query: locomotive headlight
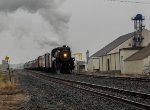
(65, 55)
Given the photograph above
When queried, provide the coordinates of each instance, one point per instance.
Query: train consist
(59, 60)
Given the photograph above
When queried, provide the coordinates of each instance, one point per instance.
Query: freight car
(59, 60)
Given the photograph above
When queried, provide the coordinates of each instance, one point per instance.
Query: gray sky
(29, 28)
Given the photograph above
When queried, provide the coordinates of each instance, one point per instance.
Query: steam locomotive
(59, 61)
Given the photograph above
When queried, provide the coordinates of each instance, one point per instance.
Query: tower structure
(138, 27)
(87, 55)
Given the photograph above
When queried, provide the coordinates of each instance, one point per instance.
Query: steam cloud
(48, 10)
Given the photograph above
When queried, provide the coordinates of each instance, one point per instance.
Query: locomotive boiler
(62, 61)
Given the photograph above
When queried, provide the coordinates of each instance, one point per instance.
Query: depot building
(128, 54)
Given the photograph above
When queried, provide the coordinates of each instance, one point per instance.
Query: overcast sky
(29, 28)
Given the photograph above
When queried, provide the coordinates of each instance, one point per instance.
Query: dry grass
(11, 96)
(5, 84)
(1, 77)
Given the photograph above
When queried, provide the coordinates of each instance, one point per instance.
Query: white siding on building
(104, 63)
(129, 42)
(93, 64)
(117, 61)
(90, 65)
(96, 64)
(101, 64)
(109, 62)
(133, 67)
(113, 62)
(146, 35)
(126, 44)
(147, 61)
(123, 55)
(115, 58)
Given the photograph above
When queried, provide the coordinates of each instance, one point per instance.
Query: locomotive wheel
(57, 68)
(68, 71)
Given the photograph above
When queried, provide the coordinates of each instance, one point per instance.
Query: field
(0, 66)
(1, 77)
(0, 70)
(12, 97)
(5, 83)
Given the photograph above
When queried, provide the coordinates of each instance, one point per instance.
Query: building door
(108, 65)
(122, 64)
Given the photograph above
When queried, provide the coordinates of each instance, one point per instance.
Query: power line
(127, 1)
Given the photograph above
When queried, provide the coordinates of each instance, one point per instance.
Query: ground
(12, 97)
(28, 92)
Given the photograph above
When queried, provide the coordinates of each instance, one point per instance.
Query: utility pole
(7, 60)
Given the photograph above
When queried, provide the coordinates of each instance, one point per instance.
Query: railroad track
(143, 79)
(107, 92)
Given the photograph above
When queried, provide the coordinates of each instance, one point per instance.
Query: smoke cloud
(41, 20)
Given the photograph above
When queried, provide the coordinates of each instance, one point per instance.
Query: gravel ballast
(138, 86)
(46, 95)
